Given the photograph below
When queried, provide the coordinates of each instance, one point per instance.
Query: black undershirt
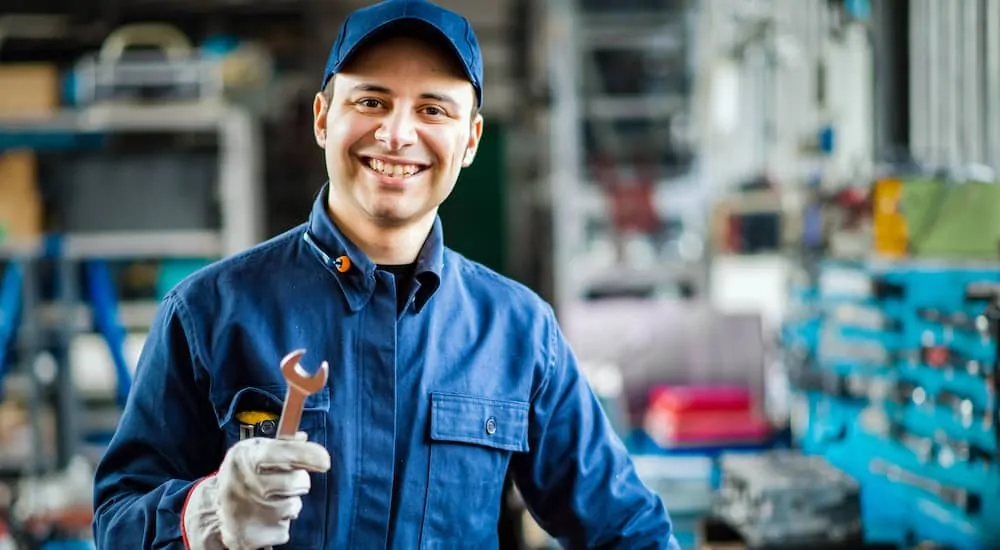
(404, 282)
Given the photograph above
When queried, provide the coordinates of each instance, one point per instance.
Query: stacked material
(783, 497)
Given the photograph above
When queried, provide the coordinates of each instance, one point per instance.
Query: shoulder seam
(550, 350)
(184, 317)
(469, 266)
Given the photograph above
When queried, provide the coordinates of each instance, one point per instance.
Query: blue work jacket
(425, 410)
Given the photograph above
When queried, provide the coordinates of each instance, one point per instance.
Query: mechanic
(443, 375)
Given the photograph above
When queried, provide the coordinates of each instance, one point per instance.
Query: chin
(390, 220)
(393, 216)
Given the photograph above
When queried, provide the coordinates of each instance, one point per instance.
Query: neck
(386, 245)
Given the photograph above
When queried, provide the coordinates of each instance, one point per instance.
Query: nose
(398, 131)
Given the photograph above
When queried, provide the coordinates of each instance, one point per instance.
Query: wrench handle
(291, 413)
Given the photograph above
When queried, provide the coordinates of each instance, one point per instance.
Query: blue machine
(894, 371)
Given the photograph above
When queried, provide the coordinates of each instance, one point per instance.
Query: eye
(369, 103)
(434, 111)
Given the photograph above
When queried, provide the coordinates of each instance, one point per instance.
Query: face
(396, 131)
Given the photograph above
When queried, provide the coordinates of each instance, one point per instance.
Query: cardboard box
(21, 209)
(29, 90)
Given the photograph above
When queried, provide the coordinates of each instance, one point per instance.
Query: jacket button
(342, 264)
(491, 426)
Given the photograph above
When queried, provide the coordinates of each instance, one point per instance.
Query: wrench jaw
(290, 361)
(295, 375)
(300, 386)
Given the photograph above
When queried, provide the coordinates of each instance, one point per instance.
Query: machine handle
(174, 43)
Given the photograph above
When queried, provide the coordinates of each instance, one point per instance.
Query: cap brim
(406, 25)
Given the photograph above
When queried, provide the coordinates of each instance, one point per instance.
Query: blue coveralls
(424, 412)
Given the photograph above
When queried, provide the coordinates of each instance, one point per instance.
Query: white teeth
(394, 170)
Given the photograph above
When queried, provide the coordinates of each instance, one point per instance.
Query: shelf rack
(240, 184)
(240, 192)
(577, 36)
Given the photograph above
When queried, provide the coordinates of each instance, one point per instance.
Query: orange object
(889, 224)
(343, 264)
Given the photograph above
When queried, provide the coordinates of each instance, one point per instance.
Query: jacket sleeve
(165, 442)
(577, 479)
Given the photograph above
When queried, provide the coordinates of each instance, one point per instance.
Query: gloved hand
(250, 503)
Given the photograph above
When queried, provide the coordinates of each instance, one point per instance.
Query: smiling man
(444, 376)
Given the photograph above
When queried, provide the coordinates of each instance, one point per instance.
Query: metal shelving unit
(44, 324)
(620, 80)
(240, 185)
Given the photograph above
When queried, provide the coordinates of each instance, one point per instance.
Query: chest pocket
(306, 531)
(472, 440)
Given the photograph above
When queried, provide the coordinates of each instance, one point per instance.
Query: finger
(278, 454)
(253, 534)
(294, 483)
(287, 508)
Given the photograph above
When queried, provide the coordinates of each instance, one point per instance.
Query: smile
(392, 170)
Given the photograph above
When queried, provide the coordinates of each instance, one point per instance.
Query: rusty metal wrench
(300, 386)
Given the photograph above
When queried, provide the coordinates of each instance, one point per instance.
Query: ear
(320, 109)
(472, 147)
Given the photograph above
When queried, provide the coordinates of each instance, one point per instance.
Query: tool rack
(894, 368)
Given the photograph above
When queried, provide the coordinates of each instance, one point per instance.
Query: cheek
(461, 148)
(450, 150)
(344, 137)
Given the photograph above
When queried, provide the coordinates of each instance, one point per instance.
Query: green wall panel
(475, 215)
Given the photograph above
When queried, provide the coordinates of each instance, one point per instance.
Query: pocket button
(491, 425)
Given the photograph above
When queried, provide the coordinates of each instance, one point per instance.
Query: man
(443, 375)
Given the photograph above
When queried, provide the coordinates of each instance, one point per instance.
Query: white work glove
(250, 503)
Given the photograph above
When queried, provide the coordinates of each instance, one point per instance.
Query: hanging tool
(960, 498)
(991, 292)
(10, 307)
(300, 386)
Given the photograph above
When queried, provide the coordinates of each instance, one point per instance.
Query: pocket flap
(267, 398)
(480, 421)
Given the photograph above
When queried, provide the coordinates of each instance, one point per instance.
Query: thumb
(295, 453)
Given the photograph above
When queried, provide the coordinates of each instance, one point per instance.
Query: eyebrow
(375, 88)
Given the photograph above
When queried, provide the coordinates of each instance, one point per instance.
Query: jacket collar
(354, 271)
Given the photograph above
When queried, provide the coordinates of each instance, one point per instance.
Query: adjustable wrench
(300, 386)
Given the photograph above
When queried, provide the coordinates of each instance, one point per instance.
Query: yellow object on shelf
(21, 208)
(889, 223)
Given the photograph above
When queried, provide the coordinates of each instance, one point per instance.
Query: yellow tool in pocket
(257, 424)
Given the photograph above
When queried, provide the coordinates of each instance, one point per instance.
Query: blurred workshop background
(770, 229)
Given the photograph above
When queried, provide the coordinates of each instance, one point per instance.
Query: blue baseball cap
(380, 19)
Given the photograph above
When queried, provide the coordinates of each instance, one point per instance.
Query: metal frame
(565, 147)
(240, 182)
